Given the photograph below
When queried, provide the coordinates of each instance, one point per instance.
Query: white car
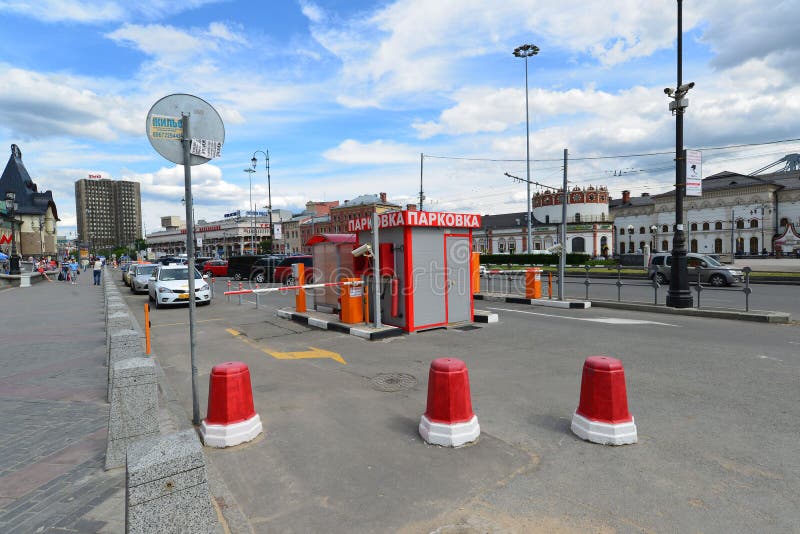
(140, 276)
(169, 284)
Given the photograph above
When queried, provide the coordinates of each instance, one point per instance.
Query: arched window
(578, 244)
(784, 221)
(577, 217)
(665, 245)
(718, 226)
(501, 245)
(641, 229)
(693, 227)
(641, 246)
(512, 246)
(753, 245)
(622, 231)
(622, 248)
(740, 223)
(706, 226)
(665, 228)
(740, 245)
(718, 246)
(753, 223)
(693, 245)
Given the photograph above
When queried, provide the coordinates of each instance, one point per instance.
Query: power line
(588, 158)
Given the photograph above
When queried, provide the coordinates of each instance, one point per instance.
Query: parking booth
(333, 261)
(424, 270)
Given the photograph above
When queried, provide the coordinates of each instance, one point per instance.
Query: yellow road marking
(312, 353)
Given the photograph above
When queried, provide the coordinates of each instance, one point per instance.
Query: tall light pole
(526, 51)
(678, 295)
(254, 161)
(252, 213)
(653, 237)
(630, 238)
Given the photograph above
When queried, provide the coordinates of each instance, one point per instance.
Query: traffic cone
(602, 415)
(231, 418)
(449, 420)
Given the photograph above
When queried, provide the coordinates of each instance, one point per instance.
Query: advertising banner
(694, 173)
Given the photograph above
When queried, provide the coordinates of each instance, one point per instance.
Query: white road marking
(607, 320)
(762, 357)
(794, 342)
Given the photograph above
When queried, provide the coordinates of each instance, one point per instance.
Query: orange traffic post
(147, 328)
(475, 270)
(550, 285)
(352, 302)
(533, 283)
(300, 297)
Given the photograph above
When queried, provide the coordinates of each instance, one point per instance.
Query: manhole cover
(393, 382)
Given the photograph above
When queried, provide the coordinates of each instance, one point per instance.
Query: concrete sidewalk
(53, 409)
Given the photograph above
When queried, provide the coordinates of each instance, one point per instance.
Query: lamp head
(254, 161)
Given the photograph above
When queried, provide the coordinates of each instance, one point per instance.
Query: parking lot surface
(714, 401)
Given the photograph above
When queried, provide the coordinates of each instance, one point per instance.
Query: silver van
(709, 269)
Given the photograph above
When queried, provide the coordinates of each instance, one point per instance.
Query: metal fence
(512, 282)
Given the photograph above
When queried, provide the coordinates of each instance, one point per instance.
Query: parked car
(239, 267)
(283, 271)
(140, 275)
(707, 268)
(167, 260)
(215, 268)
(124, 270)
(169, 284)
(263, 270)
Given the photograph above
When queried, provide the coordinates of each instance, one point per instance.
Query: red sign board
(5, 238)
(416, 218)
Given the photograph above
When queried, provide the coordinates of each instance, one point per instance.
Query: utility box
(424, 270)
(333, 261)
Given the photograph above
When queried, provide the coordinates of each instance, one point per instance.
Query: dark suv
(263, 270)
(239, 266)
(283, 271)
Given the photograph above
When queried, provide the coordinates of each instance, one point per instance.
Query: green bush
(575, 258)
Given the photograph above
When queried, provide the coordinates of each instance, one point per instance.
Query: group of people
(68, 269)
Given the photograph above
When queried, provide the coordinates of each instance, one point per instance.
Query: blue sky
(346, 95)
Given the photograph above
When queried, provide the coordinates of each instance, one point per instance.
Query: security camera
(668, 91)
(363, 250)
(685, 87)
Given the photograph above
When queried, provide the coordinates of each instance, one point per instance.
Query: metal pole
(269, 207)
(421, 195)
(562, 260)
(679, 295)
(528, 158)
(376, 275)
(187, 176)
(733, 223)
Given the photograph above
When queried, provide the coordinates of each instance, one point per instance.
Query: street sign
(165, 128)
(694, 173)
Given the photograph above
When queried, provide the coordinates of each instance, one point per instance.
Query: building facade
(109, 212)
(740, 214)
(35, 218)
(589, 227)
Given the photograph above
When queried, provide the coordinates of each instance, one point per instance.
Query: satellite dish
(165, 128)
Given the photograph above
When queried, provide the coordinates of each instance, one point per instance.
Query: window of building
(547, 219)
(512, 246)
(718, 226)
(578, 244)
(665, 228)
(706, 226)
(753, 245)
(577, 217)
(784, 221)
(740, 223)
(501, 245)
(641, 229)
(693, 227)
(693, 246)
(622, 248)
(718, 246)
(665, 245)
(622, 231)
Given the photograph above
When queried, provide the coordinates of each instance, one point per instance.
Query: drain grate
(467, 327)
(389, 382)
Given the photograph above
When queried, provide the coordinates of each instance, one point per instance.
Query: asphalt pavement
(715, 402)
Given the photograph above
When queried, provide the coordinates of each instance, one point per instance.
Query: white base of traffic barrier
(449, 435)
(604, 433)
(230, 435)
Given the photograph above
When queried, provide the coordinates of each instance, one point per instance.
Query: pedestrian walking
(85, 264)
(97, 270)
(75, 270)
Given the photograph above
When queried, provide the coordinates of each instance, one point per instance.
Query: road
(772, 297)
(715, 403)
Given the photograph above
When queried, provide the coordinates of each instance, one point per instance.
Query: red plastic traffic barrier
(449, 419)
(602, 415)
(231, 418)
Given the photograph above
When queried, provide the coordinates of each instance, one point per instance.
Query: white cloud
(97, 11)
(376, 153)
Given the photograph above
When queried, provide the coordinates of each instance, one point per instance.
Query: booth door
(457, 286)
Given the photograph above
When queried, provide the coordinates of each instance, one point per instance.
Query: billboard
(694, 173)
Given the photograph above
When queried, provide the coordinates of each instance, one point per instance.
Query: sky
(346, 95)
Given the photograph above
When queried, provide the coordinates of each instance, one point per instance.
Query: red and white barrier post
(602, 415)
(449, 420)
(231, 418)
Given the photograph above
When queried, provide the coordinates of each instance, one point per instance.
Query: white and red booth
(424, 267)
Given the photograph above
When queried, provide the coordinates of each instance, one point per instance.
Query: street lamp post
(653, 237)
(630, 238)
(678, 295)
(526, 51)
(11, 208)
(252, 213)
(254, 161)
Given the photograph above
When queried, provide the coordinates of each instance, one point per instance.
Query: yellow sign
(162, 127)
(312, 353)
